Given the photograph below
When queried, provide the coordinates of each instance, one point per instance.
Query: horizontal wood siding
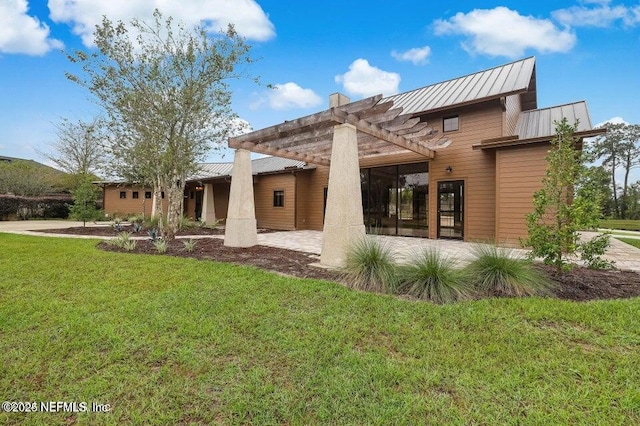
(520, 171)
(313, 185)
(129, 206)
(221, 199)
(271, 217)
(475, 167)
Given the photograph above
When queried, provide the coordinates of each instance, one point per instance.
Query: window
(134, 194)
(162, 195)
(123, 194)
(278, 198)
(147, 194)
(450, 124)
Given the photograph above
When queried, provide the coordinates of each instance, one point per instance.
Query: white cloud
(365, 80)
(417, 55)
(288, 96)
(603, 15)
(612, 120)
(248, 17)
(21, 33)
(504, 32)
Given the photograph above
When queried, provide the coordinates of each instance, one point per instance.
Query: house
(456, 159)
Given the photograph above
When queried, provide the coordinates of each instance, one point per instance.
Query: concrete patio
(626, 256)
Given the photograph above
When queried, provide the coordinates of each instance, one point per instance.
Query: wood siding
(267, 215)
(519, 173)
(129, 206)
(511, 114)
(312, 185)
(475, 167)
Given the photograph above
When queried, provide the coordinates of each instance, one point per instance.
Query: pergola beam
(380, 133)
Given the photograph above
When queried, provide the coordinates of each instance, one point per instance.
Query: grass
(631, 241)
(370, 266)
(496, 270)
(623, 224)
(432, 276)
(166, 340)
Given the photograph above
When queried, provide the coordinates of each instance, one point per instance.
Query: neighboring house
(490, 142)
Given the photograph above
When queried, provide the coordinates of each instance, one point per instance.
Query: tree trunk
(175, 197)
(616, 209)
(627, 169)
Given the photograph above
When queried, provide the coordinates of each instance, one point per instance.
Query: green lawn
(627, 225)
(178, 341)
(632, 241)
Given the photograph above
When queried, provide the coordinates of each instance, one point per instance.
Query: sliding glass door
(395, 199)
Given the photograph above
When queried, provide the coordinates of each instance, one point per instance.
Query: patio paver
(626, 256)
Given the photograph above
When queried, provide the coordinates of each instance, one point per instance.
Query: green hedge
(45, 207)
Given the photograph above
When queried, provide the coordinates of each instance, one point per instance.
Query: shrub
(591, 252)
(154, 234)
(433, 276)
(190, 244)
(369, 265)
(151, 222)
(117, 224)
(136, 227)
(498, 271)
(123, 241)
(161, 245)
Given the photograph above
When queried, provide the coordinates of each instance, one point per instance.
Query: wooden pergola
(381, 129)
(338, 137)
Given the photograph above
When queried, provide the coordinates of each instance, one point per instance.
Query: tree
(79, 149)
(618, 148)
(84, 201)
(567, 202)
(26, 178)
(166, 97)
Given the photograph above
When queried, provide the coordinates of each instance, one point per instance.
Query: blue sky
(585, 50)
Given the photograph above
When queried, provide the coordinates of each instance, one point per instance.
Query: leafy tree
(618, 149)
(567, 203)
(26, 178)
(79, 149)
(165, 93)
(84, 205)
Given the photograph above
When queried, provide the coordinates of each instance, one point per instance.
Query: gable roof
(515, 77)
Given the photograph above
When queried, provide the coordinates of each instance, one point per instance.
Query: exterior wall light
(449, 169)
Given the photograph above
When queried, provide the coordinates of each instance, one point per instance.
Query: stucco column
(240, 226)
(343, 222)
(208, 207)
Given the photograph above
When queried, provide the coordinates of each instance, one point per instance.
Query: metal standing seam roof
(259, 166)
(541, 122)
(514, 77)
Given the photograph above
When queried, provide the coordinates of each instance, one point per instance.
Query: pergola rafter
(380, 128)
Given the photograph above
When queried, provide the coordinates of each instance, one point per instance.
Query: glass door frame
(459, 200)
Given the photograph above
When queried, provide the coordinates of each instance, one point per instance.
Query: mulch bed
(108, 231)
(579, 284)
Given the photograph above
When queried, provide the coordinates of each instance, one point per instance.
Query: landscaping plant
(161, 245)
(497, 271)
(190, 244)
(370, 266)
(433, 276)
(567, 202)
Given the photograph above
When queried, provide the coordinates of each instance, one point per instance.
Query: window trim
(278, 196)
(444, 120)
